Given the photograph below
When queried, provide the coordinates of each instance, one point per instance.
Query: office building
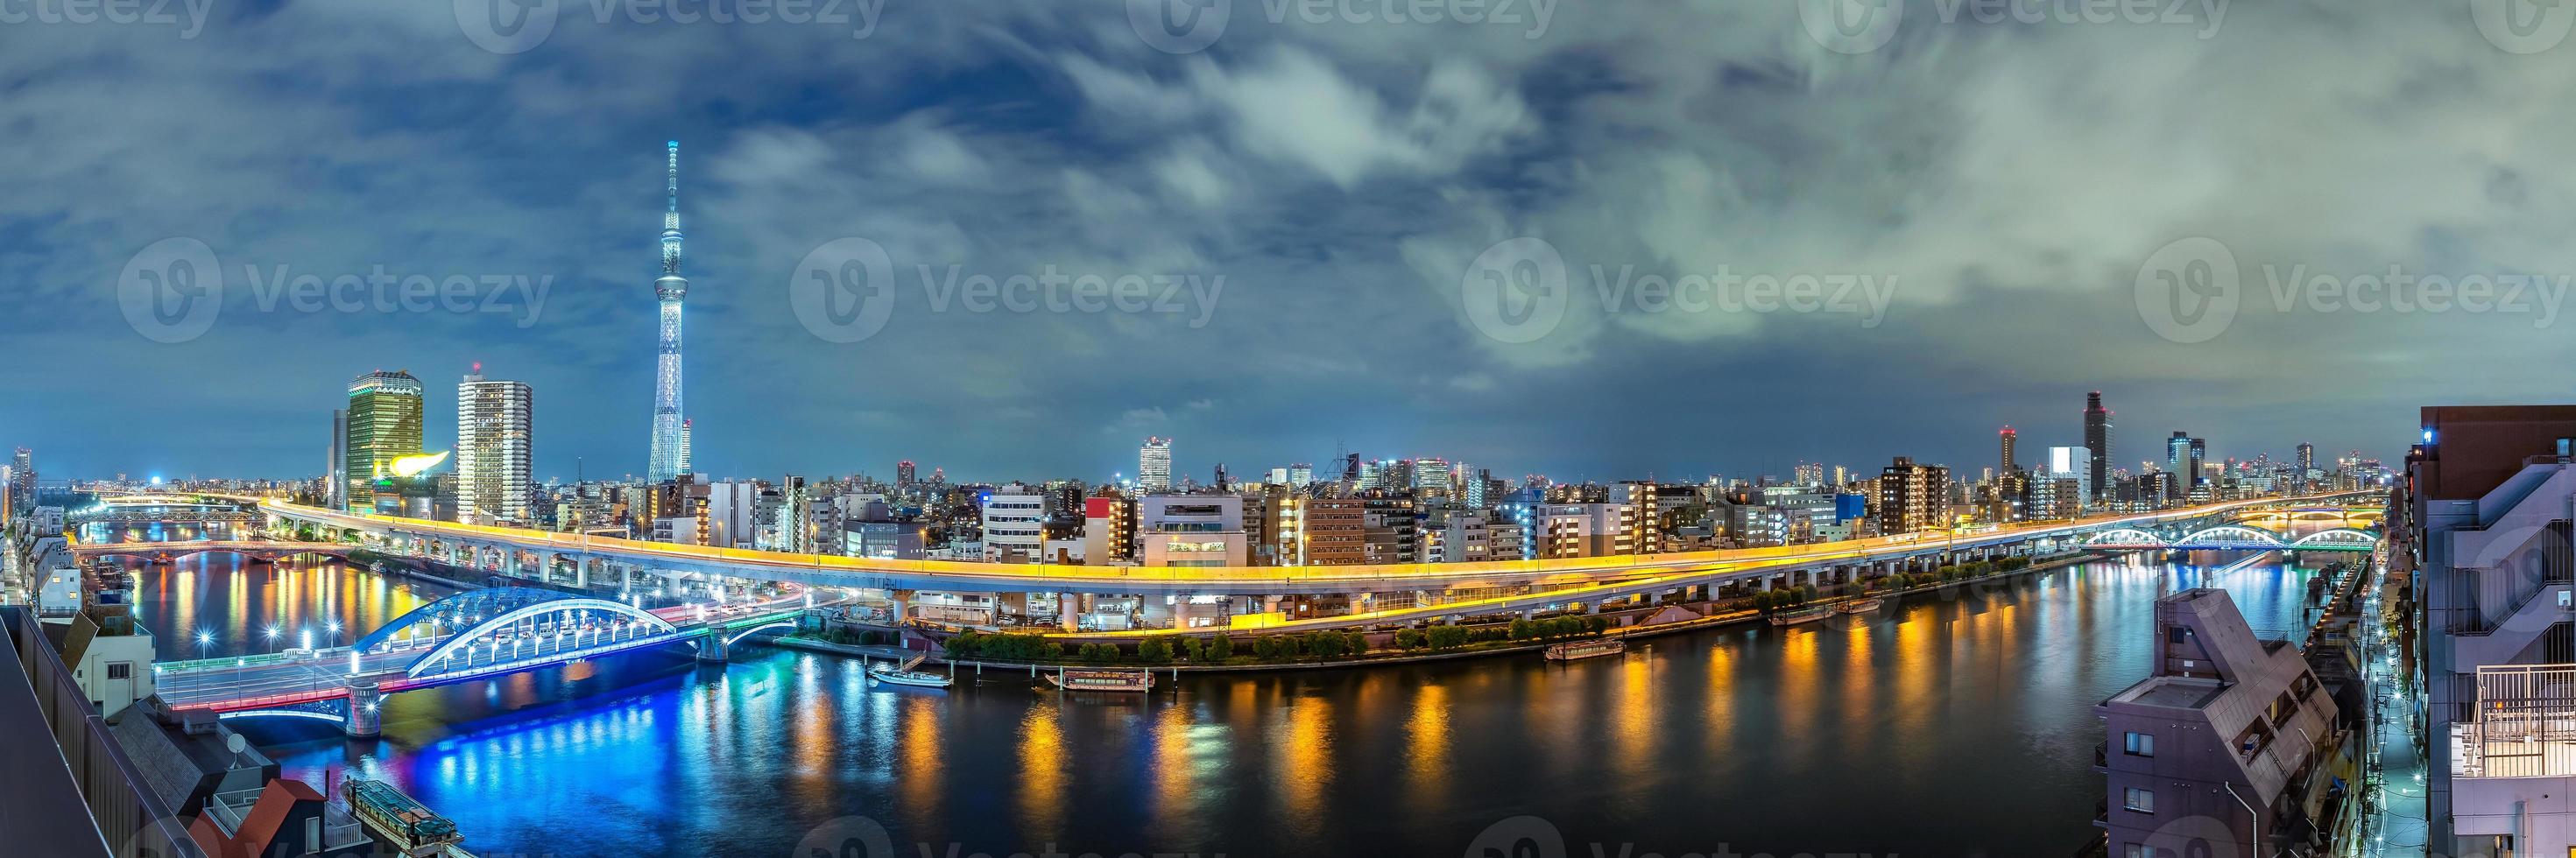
(495, 431)
(1154, 465)
(384, 426)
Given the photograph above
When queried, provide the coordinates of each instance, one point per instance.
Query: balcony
(2524, 724)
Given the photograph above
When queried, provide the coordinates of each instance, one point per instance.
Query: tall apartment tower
(384, 425)
(1912, 497)
(336, 479)
(2008, 438)
(668, 445)
(1154, 465)
(2097, 439)
(495, 431)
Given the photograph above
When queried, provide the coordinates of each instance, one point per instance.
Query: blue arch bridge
(477, 634)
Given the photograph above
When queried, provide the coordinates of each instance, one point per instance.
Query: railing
(2524, 724)
(83, 794)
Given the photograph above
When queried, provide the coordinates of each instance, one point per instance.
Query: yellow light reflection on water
(1427, 746)
(920, 763)
(1042, 769)
(1304, 751)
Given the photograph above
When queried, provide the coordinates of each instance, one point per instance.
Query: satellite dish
(233, 742)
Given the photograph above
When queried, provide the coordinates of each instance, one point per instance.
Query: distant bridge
(476, 634)
(255, 550)
(2232, 537)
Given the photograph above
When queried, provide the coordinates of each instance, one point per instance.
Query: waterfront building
(1192, 530)
(2228, 730)
(2075, 463)
(494, 433)
(384, 426)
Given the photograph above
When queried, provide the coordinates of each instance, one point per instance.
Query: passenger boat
(1858, 606)
(904, 674)
(1801, 615)
(1586, 649)
(1122, 681)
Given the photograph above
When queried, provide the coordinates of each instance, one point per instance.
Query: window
(120, 670)
(2141, 745)
(2135, 799)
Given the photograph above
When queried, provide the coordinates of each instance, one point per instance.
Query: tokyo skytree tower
(667, 447)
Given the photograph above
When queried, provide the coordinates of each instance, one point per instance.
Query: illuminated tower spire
(668, 448)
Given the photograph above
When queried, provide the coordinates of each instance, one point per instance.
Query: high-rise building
(2075, 463)
(2178, 459)
(336, 479)
(495, 431)
(669, 448)
(2008, 439)
(384, 425)
(2097, 440)
(903, 472)
(1912, 497)
(1154, 465)
(2307, 458)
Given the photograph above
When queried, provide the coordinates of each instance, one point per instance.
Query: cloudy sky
(1595, 240)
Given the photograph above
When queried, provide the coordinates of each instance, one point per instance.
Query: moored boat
(1858, 606)
(914, 678)
(1799, 616)
(1123, 681)
(1586, 649)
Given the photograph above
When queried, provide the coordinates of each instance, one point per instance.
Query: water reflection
(1760, 739)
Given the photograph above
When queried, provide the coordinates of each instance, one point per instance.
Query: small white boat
(904, 674)
(1858, 606)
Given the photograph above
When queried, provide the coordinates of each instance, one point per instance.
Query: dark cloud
(1998, 186)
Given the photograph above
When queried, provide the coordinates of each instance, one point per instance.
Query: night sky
(1985, 216)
